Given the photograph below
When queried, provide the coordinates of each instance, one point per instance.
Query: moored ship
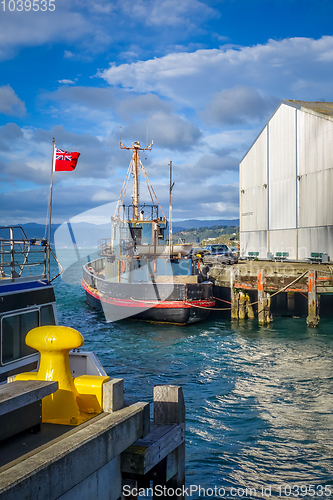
(140, 273)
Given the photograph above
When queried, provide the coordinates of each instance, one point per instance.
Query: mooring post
(234, 295)
(169, 408)
(264, 300)
(313, 316)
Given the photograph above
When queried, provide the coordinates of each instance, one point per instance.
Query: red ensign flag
(65, 161)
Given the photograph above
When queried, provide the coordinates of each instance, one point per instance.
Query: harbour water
(259, 400)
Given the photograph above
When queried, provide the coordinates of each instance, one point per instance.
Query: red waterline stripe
(170, 304)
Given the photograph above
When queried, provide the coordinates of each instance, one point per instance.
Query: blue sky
(199, 78)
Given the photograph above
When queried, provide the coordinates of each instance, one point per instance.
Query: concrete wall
(104, 484)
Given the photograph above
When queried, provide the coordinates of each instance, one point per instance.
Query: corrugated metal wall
(282, 169)
(293, 156)
(315, 239)
(253, 194)
(253, 241)
(315, 153)
(284, 240)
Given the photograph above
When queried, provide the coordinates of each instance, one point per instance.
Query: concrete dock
(93, 460)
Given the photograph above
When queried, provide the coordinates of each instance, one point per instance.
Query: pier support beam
(313, 317)
(291, 301)
(264, 301)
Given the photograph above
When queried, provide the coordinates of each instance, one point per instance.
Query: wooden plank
(146, 453)
(24, 392)
(324, 289)
(177, 279)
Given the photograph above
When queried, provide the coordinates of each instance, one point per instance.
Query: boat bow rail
(22, 257)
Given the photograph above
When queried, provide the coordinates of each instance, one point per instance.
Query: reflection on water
(258, 400)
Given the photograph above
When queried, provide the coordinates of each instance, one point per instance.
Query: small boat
(27, 301)
(140, 272)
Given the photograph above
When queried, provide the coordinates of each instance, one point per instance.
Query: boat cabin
(26, 298)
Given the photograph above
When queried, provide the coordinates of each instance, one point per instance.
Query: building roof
(317, 107)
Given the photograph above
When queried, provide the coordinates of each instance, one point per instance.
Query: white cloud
(272, 68)
(237, 106)
(171, 13)
(10, 104)
(167, 131)
(103, 196)
(91, 27)
(66, 82)
(68, 54)
(68, 23)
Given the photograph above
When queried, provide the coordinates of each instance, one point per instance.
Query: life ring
(122, 266)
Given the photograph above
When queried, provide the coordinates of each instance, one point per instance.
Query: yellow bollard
(72, 403)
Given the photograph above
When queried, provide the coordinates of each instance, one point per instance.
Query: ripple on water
(258, 400)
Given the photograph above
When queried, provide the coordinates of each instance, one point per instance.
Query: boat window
(13, 332)
(46, 316)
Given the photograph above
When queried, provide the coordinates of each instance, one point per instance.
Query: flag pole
(50, 212)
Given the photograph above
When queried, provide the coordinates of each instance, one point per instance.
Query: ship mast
(136, 147)
(135, 159)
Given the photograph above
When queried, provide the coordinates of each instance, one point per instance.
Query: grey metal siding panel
(253, 241)
(284, 240)
(282, 169)
(253, 194)
(315, 239)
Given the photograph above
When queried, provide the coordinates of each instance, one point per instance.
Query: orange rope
(226, 301)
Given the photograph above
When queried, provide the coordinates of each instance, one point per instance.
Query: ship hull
(163, 303)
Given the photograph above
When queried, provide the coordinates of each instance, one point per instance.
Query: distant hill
(87, 235)
(33, 230)
(208, 234)
(82, 234)
(195, 223)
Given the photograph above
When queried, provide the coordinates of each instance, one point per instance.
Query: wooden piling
(264, 301)
(234, 295)
(313, 310)
(160, 456)
(242, 305)
(169, 408)
(249, 308)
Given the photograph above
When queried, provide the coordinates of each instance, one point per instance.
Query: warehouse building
(286, 181)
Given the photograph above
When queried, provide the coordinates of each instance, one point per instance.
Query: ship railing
(105, 247)
(145, 212)
(20, 256)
